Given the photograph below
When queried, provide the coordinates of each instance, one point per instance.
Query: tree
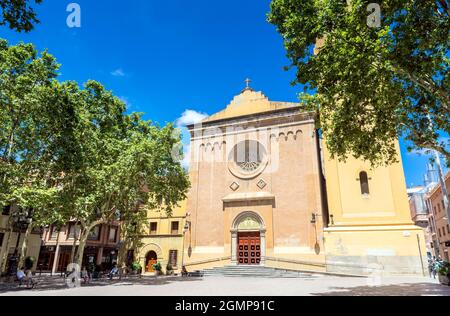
(28, 160)
(119, 164)
(373, 84)
(24, 135)
(18, 14)
(72, 154)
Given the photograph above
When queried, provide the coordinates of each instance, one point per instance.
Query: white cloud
(187, 118)
(190, 117)
(187, 156)
(118, 73)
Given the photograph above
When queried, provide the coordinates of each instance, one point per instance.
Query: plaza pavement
(307, 285)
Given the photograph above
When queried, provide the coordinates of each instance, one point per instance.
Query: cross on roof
(247, 82)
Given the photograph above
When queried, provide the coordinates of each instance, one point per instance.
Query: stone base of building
(296, 262)
(376, 250)
(352, 250)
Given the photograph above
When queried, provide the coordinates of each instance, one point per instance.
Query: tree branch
(445, 6)
(422, 141)
(431, 87)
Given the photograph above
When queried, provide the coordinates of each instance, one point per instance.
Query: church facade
(264, 191)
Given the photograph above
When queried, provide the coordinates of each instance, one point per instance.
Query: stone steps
(250, 271)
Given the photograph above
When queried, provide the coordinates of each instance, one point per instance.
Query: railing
(307, 263)
(208, 261)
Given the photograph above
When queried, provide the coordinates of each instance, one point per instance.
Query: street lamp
(314, 222)
(187, 228)
(313, 219)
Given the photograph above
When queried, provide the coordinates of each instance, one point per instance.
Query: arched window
(364, 182)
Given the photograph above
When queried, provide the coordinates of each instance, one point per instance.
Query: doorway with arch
(150, 260)
(248, 239)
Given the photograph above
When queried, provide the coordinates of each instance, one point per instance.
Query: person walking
(431, 270)
(85, 275)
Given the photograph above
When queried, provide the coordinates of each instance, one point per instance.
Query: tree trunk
(122, 255)
(24, 246)
(5, 256)
(74, 245)
(80, 251)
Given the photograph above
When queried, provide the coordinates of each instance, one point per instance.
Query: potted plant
(169, 269)
(158, 268)
(29, 263)
(443, 270)
(136, 268)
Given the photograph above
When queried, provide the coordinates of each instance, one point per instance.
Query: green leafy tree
(26, 135)
(18, 14)
(373, 84)
(72, 154)
(28, 160)
(119, 163)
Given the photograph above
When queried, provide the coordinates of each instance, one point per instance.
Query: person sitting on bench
(25, 278)
(114, 271)
(21, 277)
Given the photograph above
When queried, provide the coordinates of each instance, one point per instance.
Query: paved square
(309, 284)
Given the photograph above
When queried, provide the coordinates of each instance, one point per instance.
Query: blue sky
(166, 57)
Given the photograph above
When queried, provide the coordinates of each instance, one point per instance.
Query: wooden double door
(249, 248)
(151, 260)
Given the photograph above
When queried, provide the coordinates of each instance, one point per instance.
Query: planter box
(444, 280)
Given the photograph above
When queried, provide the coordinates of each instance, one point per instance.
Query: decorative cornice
(252, 196)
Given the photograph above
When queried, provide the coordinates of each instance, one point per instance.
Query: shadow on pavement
(416, 289)
(55, 284)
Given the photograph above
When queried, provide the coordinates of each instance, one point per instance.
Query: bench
(125, 274)
(30, 284)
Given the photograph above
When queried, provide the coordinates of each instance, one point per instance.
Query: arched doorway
(150, 259)
(248, 239)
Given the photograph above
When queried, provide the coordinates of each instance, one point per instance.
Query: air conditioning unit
(3, 221)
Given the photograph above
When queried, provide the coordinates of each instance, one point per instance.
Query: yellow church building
(265, 192)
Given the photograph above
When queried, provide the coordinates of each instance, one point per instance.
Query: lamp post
(187, 228)
(314, 222)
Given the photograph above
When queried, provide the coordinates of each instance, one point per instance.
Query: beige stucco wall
(374, 230)
(385, 249)
(440, 221)
(386, 204)
(33, 249)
